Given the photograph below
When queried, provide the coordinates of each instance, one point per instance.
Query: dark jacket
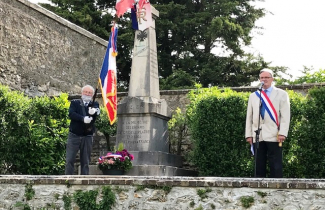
(76, 114)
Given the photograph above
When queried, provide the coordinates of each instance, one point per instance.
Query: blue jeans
(76, 143)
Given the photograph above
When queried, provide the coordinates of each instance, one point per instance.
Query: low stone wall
(137, 192)
(178, 98)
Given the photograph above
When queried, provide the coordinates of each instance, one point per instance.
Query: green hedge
(33, 133)
(217, 123)
(310, 136)
(291, 160)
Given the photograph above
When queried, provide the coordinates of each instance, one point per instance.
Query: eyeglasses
(265, 77)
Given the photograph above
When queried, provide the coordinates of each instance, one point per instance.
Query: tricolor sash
(269, 108)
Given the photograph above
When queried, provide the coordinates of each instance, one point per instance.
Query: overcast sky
(293, 35)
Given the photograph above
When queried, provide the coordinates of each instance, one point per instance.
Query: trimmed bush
(34, 133)
(217, 123)
(310, 136)
(292, 163)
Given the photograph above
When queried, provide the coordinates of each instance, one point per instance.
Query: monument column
(143, 116)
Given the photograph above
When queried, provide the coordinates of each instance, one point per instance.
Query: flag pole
(95, 94)
(107, 78)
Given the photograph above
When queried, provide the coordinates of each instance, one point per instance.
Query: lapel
(273, 94)
(83, 107)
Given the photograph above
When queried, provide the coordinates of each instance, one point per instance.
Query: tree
(309, 76)
(189, 33)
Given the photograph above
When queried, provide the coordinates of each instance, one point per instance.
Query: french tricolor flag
(122, 6)
(141, 3)
(141, 18)
(108, 77)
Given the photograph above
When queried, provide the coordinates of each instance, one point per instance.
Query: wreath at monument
(116, 163)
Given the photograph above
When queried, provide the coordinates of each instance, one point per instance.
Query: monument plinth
(142, 116)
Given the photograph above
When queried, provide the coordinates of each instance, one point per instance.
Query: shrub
(103, 125)
(34, 133)
(177, 129)
(310, 136)
(217, 123)
(292, 165)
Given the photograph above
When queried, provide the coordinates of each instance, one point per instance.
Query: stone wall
(44, 54)
(215, 192)
(178, 98)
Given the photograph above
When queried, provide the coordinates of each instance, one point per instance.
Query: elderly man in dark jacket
(82, 113)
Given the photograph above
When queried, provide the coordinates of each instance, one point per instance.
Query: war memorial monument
(142, 116)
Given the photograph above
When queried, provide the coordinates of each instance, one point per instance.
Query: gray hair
(89, 86)
(268, 71)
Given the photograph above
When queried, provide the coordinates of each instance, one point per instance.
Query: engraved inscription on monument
(135, 132)
(153, 64)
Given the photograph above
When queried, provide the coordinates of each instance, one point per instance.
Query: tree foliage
(308, 76)
(189, 31)
(197, 41)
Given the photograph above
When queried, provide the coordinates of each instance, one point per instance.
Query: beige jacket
(269, 132)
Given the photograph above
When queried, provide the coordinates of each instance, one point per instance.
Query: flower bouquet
(118, 160)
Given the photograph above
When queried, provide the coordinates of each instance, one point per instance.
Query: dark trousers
(271, 152)
(76, 143)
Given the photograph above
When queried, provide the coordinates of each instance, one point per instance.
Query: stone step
(149, 170)
(156, 158)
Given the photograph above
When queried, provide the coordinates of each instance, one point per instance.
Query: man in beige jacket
(274, 119)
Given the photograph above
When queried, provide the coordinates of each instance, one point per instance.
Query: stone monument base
(149, 170)
(156, 158)
(159, 170)
(152, 163)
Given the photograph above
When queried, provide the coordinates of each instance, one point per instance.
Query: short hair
(268, 71)
(89, 86)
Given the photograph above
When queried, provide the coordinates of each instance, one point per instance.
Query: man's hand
(249, 140)
(87, 119)
(92, 111)
(98, 111)
(281, 138)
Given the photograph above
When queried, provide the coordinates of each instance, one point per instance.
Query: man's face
(87, 94)
(87, 91)
(267, 79)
